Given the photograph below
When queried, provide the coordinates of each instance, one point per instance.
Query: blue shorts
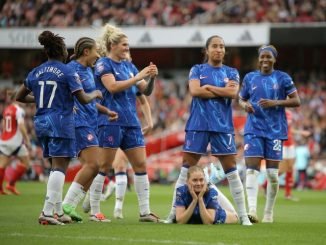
(85, 137)
(58, 147)
(221, 143)
(115, 136)
(256, 146)
(220, 216)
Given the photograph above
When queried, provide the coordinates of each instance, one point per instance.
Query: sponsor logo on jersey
(246, 147)
(90, 137)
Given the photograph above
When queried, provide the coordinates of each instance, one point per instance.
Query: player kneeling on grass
(197, 202)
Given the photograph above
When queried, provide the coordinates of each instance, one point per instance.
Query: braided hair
(82, 44)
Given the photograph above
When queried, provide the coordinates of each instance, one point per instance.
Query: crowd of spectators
(84, 13)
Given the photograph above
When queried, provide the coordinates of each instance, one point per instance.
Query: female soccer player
(213, 85)
(121, 161)
(85, 55)
(14, 141)
(264, 97)
(197, 202)
(53, 85)
(119, 81)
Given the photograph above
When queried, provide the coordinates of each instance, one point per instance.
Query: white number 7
(42, 84)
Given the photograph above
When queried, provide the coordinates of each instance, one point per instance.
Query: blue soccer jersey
(211, 114)
(124, 102)
(184, 199)
(52, 84)
(85, 114)
(269, 122)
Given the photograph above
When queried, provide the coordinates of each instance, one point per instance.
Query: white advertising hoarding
(147, 37)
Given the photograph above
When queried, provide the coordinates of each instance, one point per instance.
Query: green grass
(302, 222)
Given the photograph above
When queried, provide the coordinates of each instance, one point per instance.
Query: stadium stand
(59, 13)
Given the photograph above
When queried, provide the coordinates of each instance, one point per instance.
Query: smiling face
(216, 50)
(266, 61)
(120, 51)
(197, 180)
(92, 55)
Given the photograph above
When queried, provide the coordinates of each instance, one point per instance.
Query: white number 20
(43, 84)
(277, 145)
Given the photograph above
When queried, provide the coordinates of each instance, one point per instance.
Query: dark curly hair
(54, 46)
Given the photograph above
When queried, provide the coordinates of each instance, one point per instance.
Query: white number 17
(42, 84)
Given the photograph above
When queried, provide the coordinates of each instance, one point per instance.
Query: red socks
(19, 172)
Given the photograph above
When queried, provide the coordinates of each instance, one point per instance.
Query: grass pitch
(302, 222)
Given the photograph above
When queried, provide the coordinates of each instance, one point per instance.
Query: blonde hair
(194, 169)
(109, 35)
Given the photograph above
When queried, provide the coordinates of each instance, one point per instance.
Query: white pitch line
(104, 238)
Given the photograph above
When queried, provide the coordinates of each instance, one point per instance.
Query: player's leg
(137, 158)
(77, 190)
(20, 170)
(55, 148)
(4, 162)
(253, 153)
(195, 146)
(120, 168)
(273, 158)
(106, 158)
(223, 147)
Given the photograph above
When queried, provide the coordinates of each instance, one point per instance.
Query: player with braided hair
(53, 85)
(85, 55)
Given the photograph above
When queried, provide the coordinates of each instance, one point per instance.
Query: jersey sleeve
(179, 199)
(244, 92)
(134, 69)
(234, 75)
(194, 73)
(74, 82)
(102, 68)
(288, 84)
(212, 203)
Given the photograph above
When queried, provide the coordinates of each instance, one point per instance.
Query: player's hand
(249, 108)
(231, 84)
(153, 70)
(146, 129)
(266, 103)
(98, 94)
(203, 191)
(192, 192)
(143, 73)
(113, 116)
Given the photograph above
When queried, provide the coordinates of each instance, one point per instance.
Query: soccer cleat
(244, 220)
(253, 217)
(63, 218)
(268, 218)
(48, 220)
(12, 189)
(99, 217)
(86, 203)
(292, 198)
(2, 192)
(70, 210)
(117, 214)
(149, 218)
